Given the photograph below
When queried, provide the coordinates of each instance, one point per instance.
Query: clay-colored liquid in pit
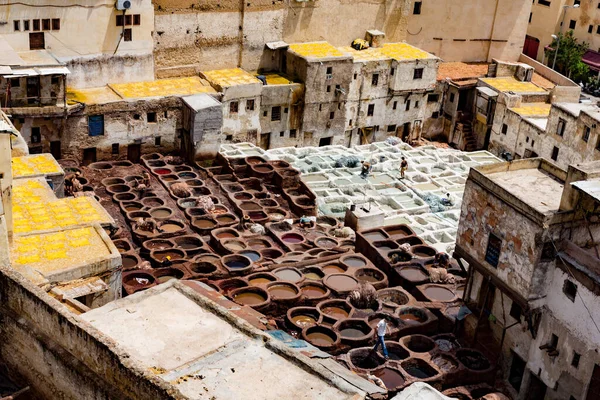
(355, 262)
(368, 278)
(249, 298)
(411, 319)
(397, 232)
(413, 274)
(332, 269)
(259, 281)
(160, 213)
(129, 262)
(304, 320)
(439, 293)
(225, 235)
(312, 276)
(391, 378)
(352, 333)
(164, 278)
(319, 339)
(282, 292)
(335, 312)
(288, 275)
(204, 223)
(312, 291)
(170, 227)
(373, 236)
(225, 219)
(234, 246)
(341, 282)
(188, 245)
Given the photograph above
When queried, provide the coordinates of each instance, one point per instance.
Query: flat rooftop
(511, 84)
(230, 77)
(316, 50)
(179, 338)
(35, 165)
(98, 95)
(370, 54)
(575, 108)
(533, 186)
(533, 109)
(34, 58)
(404, 51)
(275, 78)
(162, 87)
(459, 71)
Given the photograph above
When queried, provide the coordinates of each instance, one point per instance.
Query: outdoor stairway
(469, 139)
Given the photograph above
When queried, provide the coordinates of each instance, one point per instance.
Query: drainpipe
(241, 35)
(492, 31)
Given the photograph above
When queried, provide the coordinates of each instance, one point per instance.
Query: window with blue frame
(492, 254)
(96, 125)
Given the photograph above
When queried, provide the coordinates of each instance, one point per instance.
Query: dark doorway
(594, 388)
(531, 46)
(517, 369)
(462, 101)
(405, 131)
(37, 41)
(265, 140)
(134, 151)
(326, 141)
(486, 295)
(89, 155)
(33, 89)
(55, 149)
(536, 389)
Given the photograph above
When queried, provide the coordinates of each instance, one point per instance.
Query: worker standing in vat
(166, 262)
(403, 167)
(381, 331)
(366, 169)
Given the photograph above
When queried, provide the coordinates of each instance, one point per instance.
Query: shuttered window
(96, 125)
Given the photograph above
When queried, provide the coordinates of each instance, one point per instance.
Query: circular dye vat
(188, 242)
(161, 213)
(320, 336)
(418, 343)
(445, 363)
(249, 298)
(422, 251)
(412, 316)
(326, 243)
(340, 282)
(271, 253)
(333, 269)
(392, 378)
(171, 227)
(167, 274)
(236, 262)
(204, 223)
(129, 261)
(153, 202)
(439, 293)
(226, 234)
(313, 291)
(252, 255)
(304, 320)
(261, 278)
(162, 171)
(354, 261)
(234, 245)
(134, 206)
(314, 276)
(335, 312)
(369, 275)
(203, 267)
(288, 274)
(225, 219)
(282, 291)
(418, 368)
(292, 238)
(413, 274)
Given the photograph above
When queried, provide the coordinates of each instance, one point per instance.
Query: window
(282, 134)
(137, 19)
(15, 82)
(229, 138)
(433, 98)
(329, 70)
(417, 8)
(331, 115)
(598, 28)
(548, 252)
(127, 35)
(560, 128)
(120, 20)
(26, 25)
(157, 141)
(370, 110)
(115, 148)
(517, 369)
(553, 341)
(355, 75)
(249, 105)
(151, 117)
(326, 141)
(516, 311)
(56, 24)
(586, 133)
(276, 113)
(576, 2)
(128, 20)
(54, 80)
(233, 107)
(554, 153)
(451, 97)
(417, 104)
(572, 24)
(392, 71)
(265, 113)
(37, 41)
(598, 143)
(407, 105)
(527, 139)
(544, 2)
(375, 80)
(492, 253)
(36, 24)
(137, 117)
(36, 136)
(328, 88)
(532, 143)
(570, 290)
(575, 360)
(17, 25)
(292, 133)
(394, 105)
(350, 123)
(418, 73)
(530, 16)
(435, 114)
(590, 28)
(96, 125)
(45, 24)
(391, 128)
(337, 88)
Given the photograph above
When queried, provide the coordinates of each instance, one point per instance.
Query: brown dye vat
(271, 253)
(304, 320)
(169, 178)
(119, 188)
(283, 291)
(188, 242)
(153, 202)
(233, 244)
(258, 244)
(335, 309)
(354, 261)
(268, 203)
(326, 243)
(418, 368)
(412, 316)
(334, 269)
(203, 268)
(122, 245)
(371, 275)
(161, 213)
(135, 281)
(229, 285)
(261, 278)
(392, 322)
(250, 296)
(280, 227)
(303, 317)
(328, 222)
(194, 182)
(398, 231)
(340, 283)
(161, 255)
(396, 352)
(365, 358)
(157, 244)
(313, 273)
(418, 343)
(304, 201)
(131, 206)
(257, 215)
(374, 236)
(279, 164)
(100, 165)
(399, 256)
(253, 160)
(321, 337)
(314, 291)
(243, 196)
(113, 181)
(171, 226)
(292, 238)
(225, 219)
(386, 245)
(422, 251)
(314, 252)
(204, 223)
(288, 274)
(132, 178)
(263, 168)
(134, 215)
(125, 196)
(391, 378)
(439, 293)
(129, 261)
(166, 274)
(354, 331)
(414, 274)
(226, 234)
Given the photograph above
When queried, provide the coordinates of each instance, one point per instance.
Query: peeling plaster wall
(286, 97)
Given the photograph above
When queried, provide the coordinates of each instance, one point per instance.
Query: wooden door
(265, 140)
(33, 89)
(594, 388)
(89, 156)
(55, 149)
(536, 389)
(37, 41)
(133, 152)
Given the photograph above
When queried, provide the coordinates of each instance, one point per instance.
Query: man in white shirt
(381, 331)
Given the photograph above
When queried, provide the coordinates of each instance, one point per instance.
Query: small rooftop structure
(316, 50)
(511, 84)
(275, 78)
(201, 348)
(221, 78)
(533, 109)
(161, 88)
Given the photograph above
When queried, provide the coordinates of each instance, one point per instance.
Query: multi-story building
(529, 232)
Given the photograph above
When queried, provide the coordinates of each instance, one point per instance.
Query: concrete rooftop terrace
(204, 352)
(229, 77)
(414, 201)
(533, 109)
(138, 90)
(511, 84)
(35, 165)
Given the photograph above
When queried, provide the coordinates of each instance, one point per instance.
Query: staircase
(470, 143)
